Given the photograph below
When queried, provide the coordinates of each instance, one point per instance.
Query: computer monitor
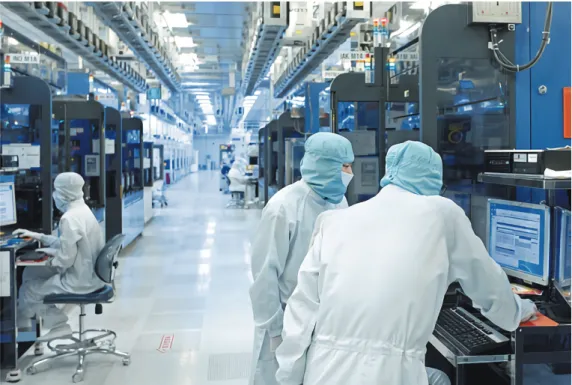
(518, 239)
(563, 242)
(7, 204)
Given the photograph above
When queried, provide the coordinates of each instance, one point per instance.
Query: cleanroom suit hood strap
(325, 154)
(414, 167)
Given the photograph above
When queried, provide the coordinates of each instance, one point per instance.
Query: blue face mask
(414, 167)
(321, 166)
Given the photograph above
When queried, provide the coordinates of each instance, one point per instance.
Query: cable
(505, 63)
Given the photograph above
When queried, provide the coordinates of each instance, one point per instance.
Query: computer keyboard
(469, 334)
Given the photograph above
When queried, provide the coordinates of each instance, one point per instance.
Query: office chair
(103, 343)
(237, 188)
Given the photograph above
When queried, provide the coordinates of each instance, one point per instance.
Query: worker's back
(80, 223)
(383, 278)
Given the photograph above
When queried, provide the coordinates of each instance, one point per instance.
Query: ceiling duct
(271, 22)
(332, 31)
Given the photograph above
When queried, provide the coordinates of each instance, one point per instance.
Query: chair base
(100, 344)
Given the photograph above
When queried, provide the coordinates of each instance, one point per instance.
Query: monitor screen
(519, 239)
(7, 204)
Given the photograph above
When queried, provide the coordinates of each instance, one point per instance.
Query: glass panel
(20, 135)
(472, 114)
(346, 116)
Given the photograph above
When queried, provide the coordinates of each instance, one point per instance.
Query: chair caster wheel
(31, 370)
(78, 377)
(39, 349)
(126, 361)
(14, 375)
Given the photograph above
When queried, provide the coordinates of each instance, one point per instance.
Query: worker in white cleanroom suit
(283, 238)
(372, 284)
(71, 268)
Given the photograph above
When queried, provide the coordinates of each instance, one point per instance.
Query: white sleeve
(300, 316)
(270, 249)
(481, 278)
(67, 249)
(50, 241)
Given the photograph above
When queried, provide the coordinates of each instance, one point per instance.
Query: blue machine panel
(518, 239)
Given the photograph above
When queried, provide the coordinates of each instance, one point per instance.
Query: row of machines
(281, 149)
(80, 131)
(43, 136)
(465, 104)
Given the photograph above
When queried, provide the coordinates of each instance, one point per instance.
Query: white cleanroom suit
(372, 284)
(282, 241)
(74, 252)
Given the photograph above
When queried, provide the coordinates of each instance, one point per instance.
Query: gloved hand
(528, 310)
(22, 233)
(274, 343)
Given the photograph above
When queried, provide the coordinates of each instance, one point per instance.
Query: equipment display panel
(518, 239)
(7, 204)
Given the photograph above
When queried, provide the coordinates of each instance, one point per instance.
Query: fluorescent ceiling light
(200, 92)
(184, 42)
(202, 97)
(196, 84)
(211, 120)
(176, 20)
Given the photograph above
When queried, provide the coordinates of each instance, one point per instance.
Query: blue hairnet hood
(321, 167)
(414, 167)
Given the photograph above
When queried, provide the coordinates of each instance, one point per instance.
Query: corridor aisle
(186, 277)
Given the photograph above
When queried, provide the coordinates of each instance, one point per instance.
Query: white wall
(209, 145)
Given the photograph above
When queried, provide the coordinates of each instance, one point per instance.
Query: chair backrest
(106, 262)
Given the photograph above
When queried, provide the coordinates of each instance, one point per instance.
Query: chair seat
(103, 295)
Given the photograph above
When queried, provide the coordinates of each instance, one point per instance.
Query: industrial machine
(130, 220)
(113, 167)
(80, 145)
(29, 160)
(148, 179)
(30, 139)
(290, 147)
(364, 112)
(269, 158)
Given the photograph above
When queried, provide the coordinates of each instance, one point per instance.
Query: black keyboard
(469, 334)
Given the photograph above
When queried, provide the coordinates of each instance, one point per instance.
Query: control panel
(491, 12)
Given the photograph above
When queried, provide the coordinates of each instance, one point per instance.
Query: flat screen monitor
(7, 204)
(563, 242)
(518, 239)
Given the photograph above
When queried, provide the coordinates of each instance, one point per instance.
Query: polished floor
(186, 278)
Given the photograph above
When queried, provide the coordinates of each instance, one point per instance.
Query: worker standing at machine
(71, 268)
(283, 238)
(373, 282)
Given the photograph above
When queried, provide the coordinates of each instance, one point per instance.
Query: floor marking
(166, 343)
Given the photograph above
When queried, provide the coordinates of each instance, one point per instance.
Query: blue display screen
(15, 116)
(518, 237)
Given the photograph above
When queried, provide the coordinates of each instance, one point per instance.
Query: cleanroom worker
(372, 285)
(71, 268)
(283, 238)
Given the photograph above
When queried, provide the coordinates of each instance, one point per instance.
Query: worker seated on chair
(237, 176)
(71, 268)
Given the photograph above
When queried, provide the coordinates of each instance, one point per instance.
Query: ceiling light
(184, 42)
(211, 120)
(202, 97)
(176, 20)
(256, 93)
